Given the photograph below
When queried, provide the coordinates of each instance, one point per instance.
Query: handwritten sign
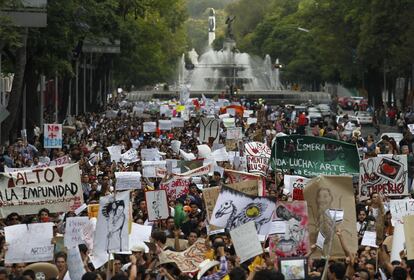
(130, 156)
(246, 241)
(295, 185)
(115, 152)
(400, 208)
(157, 205)
(128, 180)
(52, 136)
(29, 243)
(74, 231)
(150, 154)
(150, 126)
(28, 191)
(234, 133)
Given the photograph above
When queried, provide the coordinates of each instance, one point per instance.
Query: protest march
(185, 193)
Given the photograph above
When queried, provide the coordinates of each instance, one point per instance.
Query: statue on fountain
(229, 32)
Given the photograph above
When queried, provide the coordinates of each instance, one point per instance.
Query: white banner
(26, 192)
(52, 135)
(165, 125)
(29, 243)
(203, 170)
(128, 180)
(150, 154)
(150, 126)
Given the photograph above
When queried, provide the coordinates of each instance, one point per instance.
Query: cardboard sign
(165, 125)
(188, 260)
(150, 126)
(385, 174)
(29, 243)
(331, 192)
(235, 133)
(209, 128)
(128, 180)
(257, 156)
(52, 137)
(157, 205)
(246, 241)
(294, 185)
(409, 236)
(74, 231)
(28, 191)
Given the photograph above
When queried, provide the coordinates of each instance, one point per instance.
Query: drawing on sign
(113, 211)
(157, 205)
(294, 241)
(209, 128)
(387, 175)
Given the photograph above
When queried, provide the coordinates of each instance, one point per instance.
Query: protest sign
(74, 231)
(386, 175)
(257, 156)
(411, 127)
(369, 239)
(294, 268)
(188, 260)
(93, 210)
(187, 165)
(209, 128)
(150, 168)
(234, 208)
(150, 154)
(157, 205)
(235, 133)
(110, 114)
(246, 242)
(239, 176)
(89, 232)
(409, 236)
(165, 125)
(251, 121)
(203, 170)
(210, 195)
(400, 208)
(130, 156)
(115, 152)
(331, 192)
(247, 113)
(111, 233)
(139, 234)
(176, 187)
(228, 122)
(75, 263)
(187, 156)
(28, 191)
(294, 242)
(177, 122)
(204, 151)
(294, 186)
(29, 243)
(58, 161)
(150, 126)
(52, 135)
(310, 156)
(128, 180)
(175, 146)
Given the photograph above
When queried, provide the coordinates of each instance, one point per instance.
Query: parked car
(364, 117)
(324, 109)
(314, 116)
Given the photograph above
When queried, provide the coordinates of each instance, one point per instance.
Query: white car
(364, 117)
(314, 116)
(324, 109)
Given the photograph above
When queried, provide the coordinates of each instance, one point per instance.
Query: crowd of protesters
(86, 145)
